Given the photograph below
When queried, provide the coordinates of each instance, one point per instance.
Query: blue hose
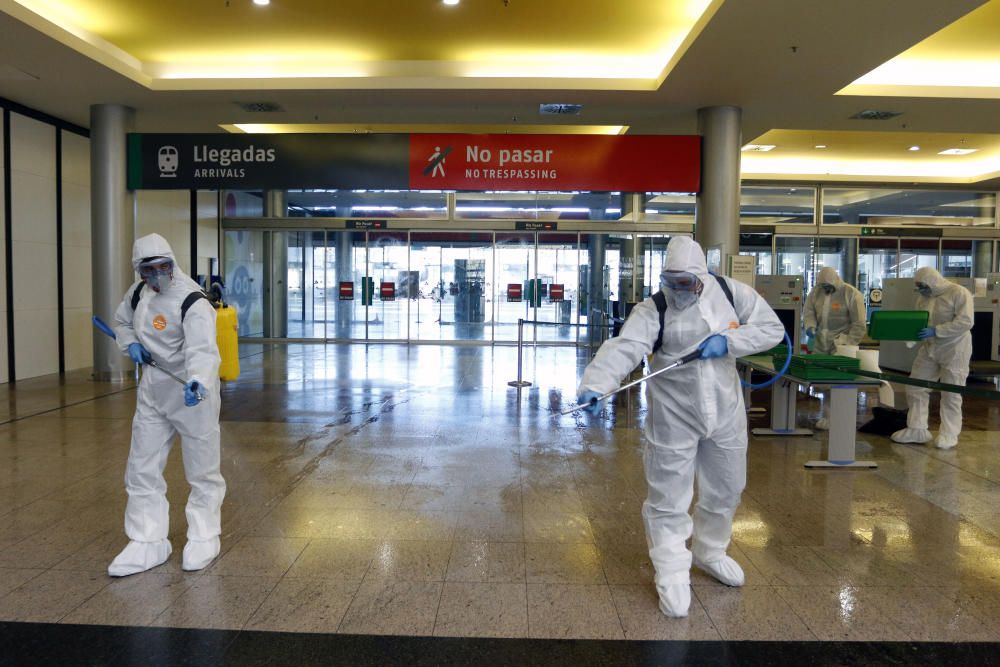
(784, 369)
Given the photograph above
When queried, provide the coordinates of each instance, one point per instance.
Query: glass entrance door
(455, 275)
(559, 281)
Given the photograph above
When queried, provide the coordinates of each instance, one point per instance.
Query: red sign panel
(513, 292)
(387, 291)
(557, 292)
(347, 291)
(630, 163)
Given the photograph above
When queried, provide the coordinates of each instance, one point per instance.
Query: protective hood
(684, 254)
(829, 275)
(931, 277)
(152, 245)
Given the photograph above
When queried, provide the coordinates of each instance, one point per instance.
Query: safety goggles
(680, 281)
(828, 288)
(922, 287)
(156, 266)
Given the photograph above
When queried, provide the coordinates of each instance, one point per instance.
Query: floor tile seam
(267, 596)
(618, 613)
(68, 405)
(704, 607)
(886, 617)
(107, 583)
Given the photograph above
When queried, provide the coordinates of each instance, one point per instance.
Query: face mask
(828, 288)
(681, 300)
(158, 273)
(924, 290)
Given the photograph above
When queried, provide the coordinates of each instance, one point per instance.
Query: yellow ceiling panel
(883, 156)
(343, 128)
(961, 60)
(627, 44)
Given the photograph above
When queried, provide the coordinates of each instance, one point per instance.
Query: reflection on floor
(407, 490)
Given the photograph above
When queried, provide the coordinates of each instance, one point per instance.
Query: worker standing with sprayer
(697, 420)
(166, 319)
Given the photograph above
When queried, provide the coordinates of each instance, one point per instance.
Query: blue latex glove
(929, 332)
(811, 332)
(139, 354)
(192, 394)
(714, 346)
(595, 407)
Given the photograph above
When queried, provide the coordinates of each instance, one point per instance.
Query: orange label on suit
(734, 325)
(834, 306)
(159, 323)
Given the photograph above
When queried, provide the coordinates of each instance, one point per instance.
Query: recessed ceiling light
(758, 148)
(820, 146)
(958, 151)
(450, 2)
(262, 3)
(914, 148)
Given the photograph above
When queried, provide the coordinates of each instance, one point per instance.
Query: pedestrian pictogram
(436, 166)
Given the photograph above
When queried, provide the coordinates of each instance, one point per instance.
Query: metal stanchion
(520, 345)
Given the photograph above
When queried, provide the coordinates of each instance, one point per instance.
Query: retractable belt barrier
(609, 323)
(905, 379)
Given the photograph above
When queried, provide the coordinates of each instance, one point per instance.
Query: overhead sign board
(925, 232)
(630, 163)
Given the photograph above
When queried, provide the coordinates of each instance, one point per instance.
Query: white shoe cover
(725, 570)
(823, 424)
(912, 436)
(139, 556)
(945, 441)
(675, 599)
(198, 554)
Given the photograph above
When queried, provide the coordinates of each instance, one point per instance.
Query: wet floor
(408, 490)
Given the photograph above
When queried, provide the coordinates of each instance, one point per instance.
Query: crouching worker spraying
(697, 421)
(165, 319)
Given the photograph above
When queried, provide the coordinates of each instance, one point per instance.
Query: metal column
(276, 269)
(112, 215)
(718, 213)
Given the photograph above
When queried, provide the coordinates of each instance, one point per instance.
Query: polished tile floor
(407, 490)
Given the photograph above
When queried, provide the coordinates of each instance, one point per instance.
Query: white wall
(167, 213)
(77, 300)
(3, 274)
(34, 250)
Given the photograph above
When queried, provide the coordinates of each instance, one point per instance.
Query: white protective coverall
(189, 350)
(696, 421)
(838, 318)
(944, 357)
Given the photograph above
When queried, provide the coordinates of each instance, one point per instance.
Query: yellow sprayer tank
(226, 330)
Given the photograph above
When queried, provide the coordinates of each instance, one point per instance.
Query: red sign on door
(387, 291)
(514, 292)
(631, 163)
(557, 292)
(347, 291)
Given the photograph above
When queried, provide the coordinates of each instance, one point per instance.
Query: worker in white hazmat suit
(944, 355)
(696, 421)
(162, 318)
(834, 314)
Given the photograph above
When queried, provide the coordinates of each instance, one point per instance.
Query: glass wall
(436, 285)
(957, 258)
(915, 253)
(795, 258)
(541, 205)
(873, 207)
(669, 207)
(876, 262)
(416, 204)
(759, 246)
(770, 205)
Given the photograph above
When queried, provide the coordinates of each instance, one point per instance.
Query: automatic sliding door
(559, 273)
(393, 284)
(453, 271)
(515, 292)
